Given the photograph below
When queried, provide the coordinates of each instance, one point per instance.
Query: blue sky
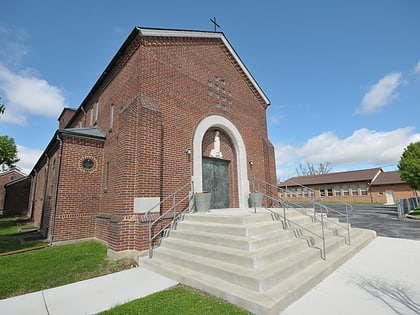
(343, 77)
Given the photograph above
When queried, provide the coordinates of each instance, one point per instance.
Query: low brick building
(369, 185)
(171, 106)
(11, 189)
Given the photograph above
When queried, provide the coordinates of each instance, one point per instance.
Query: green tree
(409, 165)
(8, 152)
(2, 107)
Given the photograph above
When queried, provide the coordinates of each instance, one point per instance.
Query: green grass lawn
(178, 300)
(55, 266)
(13, 234)
(415, 212)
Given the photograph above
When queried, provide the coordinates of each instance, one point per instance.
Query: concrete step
(214, 217)
(233, 241)
(269, 302)
(252, 261)
(252, 229)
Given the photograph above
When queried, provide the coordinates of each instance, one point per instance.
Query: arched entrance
(221, 123)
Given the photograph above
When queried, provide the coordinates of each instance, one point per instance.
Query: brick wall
(158, 92)
(79, 189)
(16, 199)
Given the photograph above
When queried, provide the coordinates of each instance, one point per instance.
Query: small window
(354, 191)
(363, 190)
(322, 192)
(209, 93)
(96, 111)
(210, 84)
(345, 190)
(106, 177)
(337, 191)
(88, 164)
(111, 117)
(330, 192)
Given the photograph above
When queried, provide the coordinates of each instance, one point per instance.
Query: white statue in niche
(215, 152)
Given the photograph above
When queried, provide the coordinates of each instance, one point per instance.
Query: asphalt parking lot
(384, 220)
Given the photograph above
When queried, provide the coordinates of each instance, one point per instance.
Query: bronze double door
(216, 181)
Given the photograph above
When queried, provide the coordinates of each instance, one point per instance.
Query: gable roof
(388, 178)
(205, 34)
(14, 170)
(173, 33)
(367, 175)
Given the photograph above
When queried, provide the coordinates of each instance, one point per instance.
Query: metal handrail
(286, 203)
(167, 214)
(287, 223)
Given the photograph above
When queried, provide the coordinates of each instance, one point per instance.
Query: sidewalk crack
(45, 302)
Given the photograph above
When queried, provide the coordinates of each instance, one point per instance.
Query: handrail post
(150, 238)
(323, 236)
(348, 226)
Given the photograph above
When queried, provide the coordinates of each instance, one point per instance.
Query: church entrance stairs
(250, 259)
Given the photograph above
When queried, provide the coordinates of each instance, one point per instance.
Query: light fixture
(188, 151)
(251, 162)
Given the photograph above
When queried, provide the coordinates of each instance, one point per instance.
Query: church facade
(172, 109)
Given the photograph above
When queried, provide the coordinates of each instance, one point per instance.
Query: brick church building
(173, 109)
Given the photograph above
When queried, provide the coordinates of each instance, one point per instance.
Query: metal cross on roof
(215, 23)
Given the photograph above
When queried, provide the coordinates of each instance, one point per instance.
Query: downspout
(56, 188)
(44, 187)
(33, 190)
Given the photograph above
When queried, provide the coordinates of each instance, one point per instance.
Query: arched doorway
(220, 123)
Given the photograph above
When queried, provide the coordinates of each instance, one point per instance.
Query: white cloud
(28, 157)
(27, 94)
(417, 69)
(380, 94)
(14, 46)
(363, 147)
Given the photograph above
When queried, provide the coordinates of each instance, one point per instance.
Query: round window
(88, 164)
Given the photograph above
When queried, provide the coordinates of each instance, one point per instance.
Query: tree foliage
(409, 165)
(8, 152)
(311, 169)
(2, 107)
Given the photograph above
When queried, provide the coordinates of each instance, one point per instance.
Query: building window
(337, 191)
(96, 111)
(363, 189)
(354, 191)
(299, 192)
(88, 164)
(111, 117)
(106, 176)
(305, 192)
(322, 192)
(329, 191)
(345, 190)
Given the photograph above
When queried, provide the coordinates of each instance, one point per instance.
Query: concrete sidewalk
(88, 296)
(384, 278)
